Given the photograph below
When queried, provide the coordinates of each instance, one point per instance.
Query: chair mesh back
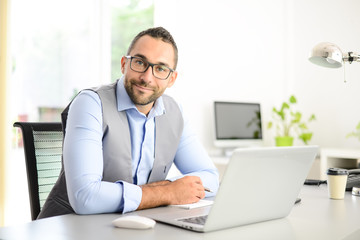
(48, 150)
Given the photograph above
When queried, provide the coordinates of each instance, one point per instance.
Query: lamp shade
(327, 54)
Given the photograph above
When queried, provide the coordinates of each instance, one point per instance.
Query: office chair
(43, 151)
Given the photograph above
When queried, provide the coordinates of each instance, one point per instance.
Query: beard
(139, 97)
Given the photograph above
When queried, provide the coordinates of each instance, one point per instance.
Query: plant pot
(284, 141)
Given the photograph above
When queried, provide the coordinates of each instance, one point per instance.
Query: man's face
(144, 88)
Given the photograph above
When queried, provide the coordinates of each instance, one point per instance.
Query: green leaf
(297, 117)
(292, 99)
(279, 113)
(269, 125)
(312, 118)
(355, 133)
(306, 137)
(285, 106)
(352, 134)
(282, 115)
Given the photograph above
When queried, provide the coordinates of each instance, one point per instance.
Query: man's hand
(188, 189)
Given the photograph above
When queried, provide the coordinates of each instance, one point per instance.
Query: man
(121, 140)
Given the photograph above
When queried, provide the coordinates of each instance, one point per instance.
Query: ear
(172, 79)
(123, 63)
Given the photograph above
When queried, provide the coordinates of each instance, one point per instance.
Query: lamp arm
(351, 57)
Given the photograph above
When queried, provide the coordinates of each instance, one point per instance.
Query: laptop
(259, 184)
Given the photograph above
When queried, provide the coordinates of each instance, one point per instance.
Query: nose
(147, 75)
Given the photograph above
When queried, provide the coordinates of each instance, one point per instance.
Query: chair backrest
(43, 151)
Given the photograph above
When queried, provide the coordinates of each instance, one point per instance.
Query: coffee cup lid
(337, 171)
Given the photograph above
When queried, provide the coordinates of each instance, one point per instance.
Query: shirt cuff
(132, 195)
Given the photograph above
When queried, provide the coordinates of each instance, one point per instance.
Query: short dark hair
(159, 33)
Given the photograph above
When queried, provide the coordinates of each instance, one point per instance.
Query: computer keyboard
(353, 181)
(196, 220)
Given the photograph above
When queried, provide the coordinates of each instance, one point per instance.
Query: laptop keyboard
(196, 220)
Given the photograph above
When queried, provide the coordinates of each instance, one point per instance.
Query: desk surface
(316, 217)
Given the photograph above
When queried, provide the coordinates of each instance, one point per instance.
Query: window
(58, 48)
(127, 20)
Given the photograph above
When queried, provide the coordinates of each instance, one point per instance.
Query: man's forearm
(188, 189)
(154, 195)
(160, 183)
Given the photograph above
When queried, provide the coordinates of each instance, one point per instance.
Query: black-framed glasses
(140, 65)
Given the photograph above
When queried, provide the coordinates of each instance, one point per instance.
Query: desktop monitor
(237, 124)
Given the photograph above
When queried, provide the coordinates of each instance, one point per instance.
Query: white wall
(256, 51)
(221, 44)
(323, 90)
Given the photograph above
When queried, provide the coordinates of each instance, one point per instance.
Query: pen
(207, 189)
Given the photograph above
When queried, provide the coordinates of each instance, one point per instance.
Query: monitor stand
(227, 152)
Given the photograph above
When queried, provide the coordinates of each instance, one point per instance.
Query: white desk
(316, 217)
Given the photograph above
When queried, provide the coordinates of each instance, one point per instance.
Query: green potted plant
(355, 133)
(288, 124)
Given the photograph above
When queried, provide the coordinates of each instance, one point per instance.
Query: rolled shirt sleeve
(132, 195)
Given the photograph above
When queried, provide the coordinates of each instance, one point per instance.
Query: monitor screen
(237, 123)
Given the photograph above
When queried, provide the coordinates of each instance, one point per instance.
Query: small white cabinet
(342, 158)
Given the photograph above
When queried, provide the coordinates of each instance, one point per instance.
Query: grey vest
(117, 147)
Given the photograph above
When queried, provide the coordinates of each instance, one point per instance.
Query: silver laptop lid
(260, 184)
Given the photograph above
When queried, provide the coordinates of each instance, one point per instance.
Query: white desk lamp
(329, 55)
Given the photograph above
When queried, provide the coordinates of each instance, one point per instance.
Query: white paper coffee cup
(336, 182)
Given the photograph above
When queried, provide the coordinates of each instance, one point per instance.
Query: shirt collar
(124, 102)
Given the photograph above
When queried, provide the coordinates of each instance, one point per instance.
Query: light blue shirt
(83, 158)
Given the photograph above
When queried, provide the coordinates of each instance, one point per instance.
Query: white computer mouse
(134, 222)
